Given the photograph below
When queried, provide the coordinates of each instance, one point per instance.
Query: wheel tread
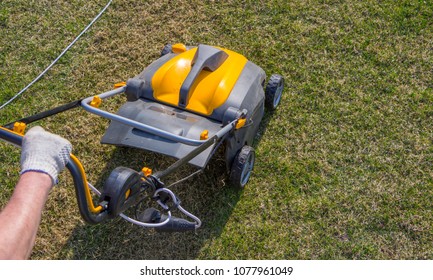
(275, 81)
(238, 165)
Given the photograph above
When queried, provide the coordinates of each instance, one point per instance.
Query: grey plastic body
(247, 94)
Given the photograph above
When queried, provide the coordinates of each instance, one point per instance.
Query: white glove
(44, 152)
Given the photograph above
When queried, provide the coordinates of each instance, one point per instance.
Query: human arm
(19, 220)
(43, 156)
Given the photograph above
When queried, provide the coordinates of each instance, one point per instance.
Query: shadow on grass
(206, 195)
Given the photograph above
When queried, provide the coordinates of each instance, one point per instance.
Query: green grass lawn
(344, 166)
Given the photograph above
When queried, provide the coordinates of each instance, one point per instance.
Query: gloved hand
(44, 152)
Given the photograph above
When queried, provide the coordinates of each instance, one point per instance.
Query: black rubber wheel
(242, 167)
(273, 91)
(166, 50)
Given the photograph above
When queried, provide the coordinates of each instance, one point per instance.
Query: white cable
(138, 223)
(55, 61)
(195, 218)
(175, 199)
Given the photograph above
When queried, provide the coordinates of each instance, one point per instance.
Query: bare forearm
(19, 220)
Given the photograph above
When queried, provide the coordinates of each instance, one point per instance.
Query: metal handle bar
(147, 128)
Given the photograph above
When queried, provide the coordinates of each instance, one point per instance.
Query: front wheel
(242, 167)
(273, 91)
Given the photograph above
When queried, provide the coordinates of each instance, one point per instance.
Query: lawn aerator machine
(184, 105)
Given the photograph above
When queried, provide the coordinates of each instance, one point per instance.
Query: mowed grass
(344, 166)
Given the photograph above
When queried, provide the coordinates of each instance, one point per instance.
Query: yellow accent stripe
(89, 199)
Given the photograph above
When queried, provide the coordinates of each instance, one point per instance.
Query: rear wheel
(273, 91)
(166, 50)
(242, 167)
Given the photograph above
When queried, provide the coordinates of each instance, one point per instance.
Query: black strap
(46, 114)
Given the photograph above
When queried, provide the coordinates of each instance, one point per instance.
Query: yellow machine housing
(210, 89)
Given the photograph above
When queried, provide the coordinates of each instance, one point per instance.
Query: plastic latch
(241, 123)
(146, 171)
(96, 101)
(19, 127)
(119, 85)
(178, 48)
(204, 135)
